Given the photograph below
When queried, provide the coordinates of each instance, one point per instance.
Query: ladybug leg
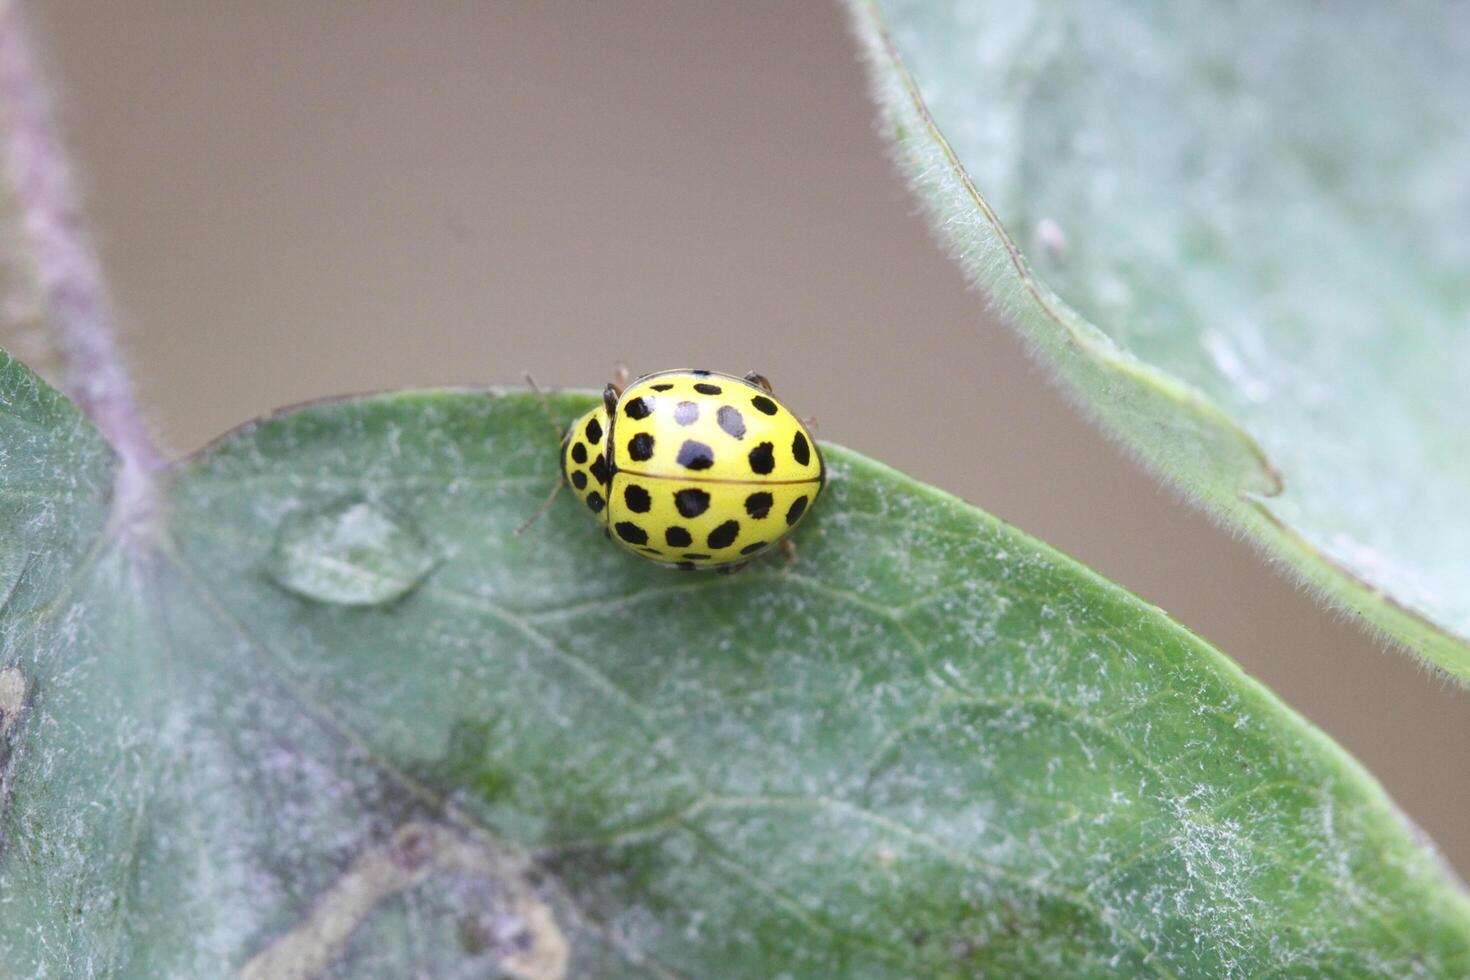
(610, 396)
(556, 426)
(759, 380)
(788, 548)
(731, 569)
(546, 408)
(545, 506)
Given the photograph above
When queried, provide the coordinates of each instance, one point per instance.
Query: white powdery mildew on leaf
(1256, 216)
(930, 747)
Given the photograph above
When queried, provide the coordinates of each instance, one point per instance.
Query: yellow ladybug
(694, 468)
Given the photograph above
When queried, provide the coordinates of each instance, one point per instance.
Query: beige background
(302, 199)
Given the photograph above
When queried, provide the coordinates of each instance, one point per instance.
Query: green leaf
(312, 708)
(1244, 249)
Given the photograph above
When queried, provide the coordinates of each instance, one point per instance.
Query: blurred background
(295, 200)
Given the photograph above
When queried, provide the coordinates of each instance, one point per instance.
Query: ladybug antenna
(759, 380)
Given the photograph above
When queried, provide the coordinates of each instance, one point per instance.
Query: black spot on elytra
(763, 458)
(794, 512)
(691, 501)
(595, 503)
(631, 533)
(751, 549)
(724, 535)
(677, 537)
(758, 505)
(731, 421)
(640, 447)
(599, 469)
(579, 453)
(695, 455)
(686, 413)
(594, 431)
(708, 389)
(697, 557)
(579, 480)
(801, 450)
(637, 498)
(764, 405)
(637, 408)
(662, 387)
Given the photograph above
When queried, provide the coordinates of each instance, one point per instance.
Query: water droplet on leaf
(351, 552)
